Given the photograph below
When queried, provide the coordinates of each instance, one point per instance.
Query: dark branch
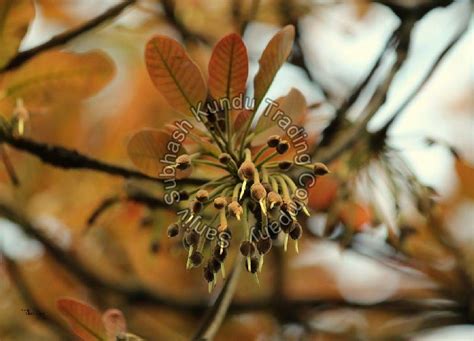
(67, 36)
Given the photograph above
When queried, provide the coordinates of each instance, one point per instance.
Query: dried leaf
(57, 76)
(174, 74)
(152, 150)
(84, 320)
(15, 17)
(273, 57)
(228, 68)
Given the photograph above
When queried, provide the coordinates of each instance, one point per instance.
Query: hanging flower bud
(173, 230)
(285, 165)
(196, 258)
(183, 162)
(320, 169)
(274, 199)
(220, 203)
(235, 209)
(202, 195)
(214, 265)
(183, 195)
(192, 238)
(220, 254)
(211, 117)
(264, 245)
(258, 192)
(247, 170)
(196, 206)
(283, 147)
(296, 232)
(224, 158)
(267, 186)
(273, 141)
(208, 274)
(253, 265)
(247, 248)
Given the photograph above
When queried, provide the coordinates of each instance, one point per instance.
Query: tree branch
(67, 36)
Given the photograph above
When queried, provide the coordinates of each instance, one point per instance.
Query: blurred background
(345, 293)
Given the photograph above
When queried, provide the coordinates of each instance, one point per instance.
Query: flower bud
(220, 203)
(264, 245)
(253, 265)
(208, 274)
(285, 165)
(296, 232)
(196, 206)
(192, 237)
(320, 169)
(154, 246)
(220, 254)
(173, 230)
(224, 158)
(202, 195)
(196, 258)
(183, 162)
(273, 141)
(183, 195)
(267, 186)
(247, 170)
(283, 147)
(235, 209)
(247, 248)
(214, 265)
(211, 117)
(258, 192)
(274, 199)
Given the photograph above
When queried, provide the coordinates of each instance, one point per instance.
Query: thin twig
(67, 36)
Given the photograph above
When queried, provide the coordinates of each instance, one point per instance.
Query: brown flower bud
(267, 186)
(235, 209)
(192, 237)
(283, 147)
(208, 274)
(264, 245)
(320, 169)
(214, 265)
(297, 231)
(183, 195)
(258, 192)
(247, 170)
(220, 254)
(211, 117)
(183, 161)
(196, 206)
(285, 165)
(220, 203)
(274, 199)
(247, 248)
(224, 158)
(253, 265)
(196, 258)
(173, 230)
(154, 246)
(202, 195)
(273, 141)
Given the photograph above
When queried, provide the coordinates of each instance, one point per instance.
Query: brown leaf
(228, 68)
(273, 57)
(56, 76)
(15, 17)
(85, 321)
(174, 74)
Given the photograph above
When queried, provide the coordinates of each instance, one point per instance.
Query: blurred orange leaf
(174, 74)
(466, 177)
(148, 147)
(273, 57)
(54, 76)
(242, 118)
(85, 321)
(228, 68)
(15, 17)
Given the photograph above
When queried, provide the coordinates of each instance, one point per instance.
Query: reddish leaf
(85, 321)
(273, 57)
(174, 74)
(323, 194)
(241, 119)
(228, 68)
(152, 150)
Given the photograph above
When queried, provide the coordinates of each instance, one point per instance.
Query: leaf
(273, 57)
(465, 174)
(241, 119)
(15, 17)
(174, 74)
(228, 68)
(56, 76)
(152, 150)
(115, 323)
(85, 321)
(292, 105)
